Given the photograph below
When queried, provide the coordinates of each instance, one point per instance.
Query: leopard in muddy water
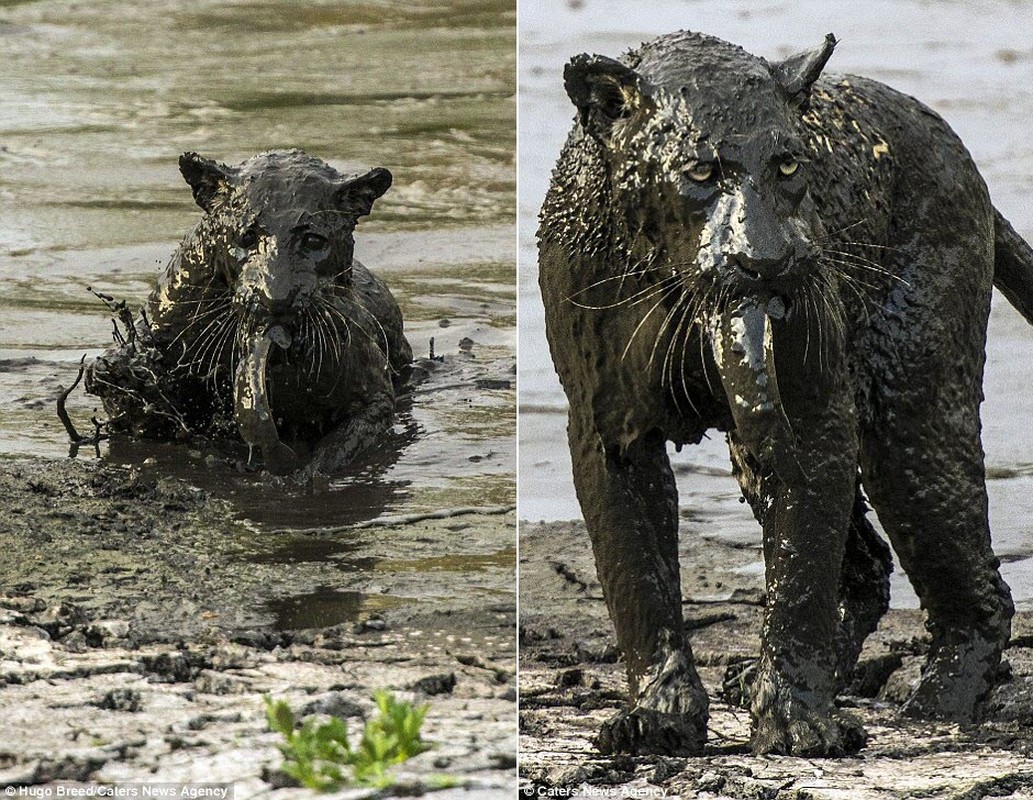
(804, 262)
(263, 326)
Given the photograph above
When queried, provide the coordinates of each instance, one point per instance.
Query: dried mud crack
(141, 626)
(571, 680)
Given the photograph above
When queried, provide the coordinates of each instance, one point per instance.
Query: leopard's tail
(1013, 266)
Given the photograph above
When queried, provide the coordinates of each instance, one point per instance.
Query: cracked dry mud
(141, 624)
(571, 681)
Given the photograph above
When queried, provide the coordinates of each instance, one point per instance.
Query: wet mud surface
(571, 681)
(153, 593)
(398, 569)
(142, 620)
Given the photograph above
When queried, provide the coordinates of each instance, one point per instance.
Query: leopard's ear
(798, 73)
(358, 194)
(604, 90)
(206, 178)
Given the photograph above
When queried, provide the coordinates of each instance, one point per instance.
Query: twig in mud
(62, 399)
(738, 597)
(408, 519)
(75, 438)
(124, 315)
(433, 356)
(697, 623)
(725, 738)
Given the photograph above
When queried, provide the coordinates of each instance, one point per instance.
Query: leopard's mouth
(784, 276)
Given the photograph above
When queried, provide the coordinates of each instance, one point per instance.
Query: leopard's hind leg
(922, 464)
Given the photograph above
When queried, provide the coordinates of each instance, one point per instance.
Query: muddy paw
(669, 717)
(791, 721)
(852, 734)
(955, 682)
(928, 701)
(642, 731)
(801, 734)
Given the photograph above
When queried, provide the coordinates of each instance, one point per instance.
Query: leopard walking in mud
(804, 262)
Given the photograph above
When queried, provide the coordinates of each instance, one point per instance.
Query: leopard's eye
(313, 241)
(701, 172)
(788, 167)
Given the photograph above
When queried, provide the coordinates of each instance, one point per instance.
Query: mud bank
(570, 681)
(142, 622)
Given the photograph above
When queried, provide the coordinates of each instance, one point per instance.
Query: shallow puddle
(327, 606)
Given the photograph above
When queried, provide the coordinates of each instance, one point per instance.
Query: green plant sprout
(319, 756)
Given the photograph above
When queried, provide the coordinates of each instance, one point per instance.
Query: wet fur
(873, 263)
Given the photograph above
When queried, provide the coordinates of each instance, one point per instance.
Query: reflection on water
(99, 99)
(328, 606)
(970, 61)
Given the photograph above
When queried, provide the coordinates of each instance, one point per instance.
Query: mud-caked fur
(804, 262)
(265, 283)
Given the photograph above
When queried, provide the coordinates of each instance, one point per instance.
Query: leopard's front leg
(795, 445)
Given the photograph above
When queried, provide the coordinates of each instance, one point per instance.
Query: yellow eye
(789, 167)
(701, 173)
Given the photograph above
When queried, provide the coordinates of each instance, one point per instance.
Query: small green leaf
(316, 753)
(279, 715)
(336, 730)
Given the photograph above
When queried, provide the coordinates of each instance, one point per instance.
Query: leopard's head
(278, 229)
(706, 161)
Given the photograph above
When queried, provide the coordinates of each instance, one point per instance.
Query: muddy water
(971, 60)
(97, 101)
